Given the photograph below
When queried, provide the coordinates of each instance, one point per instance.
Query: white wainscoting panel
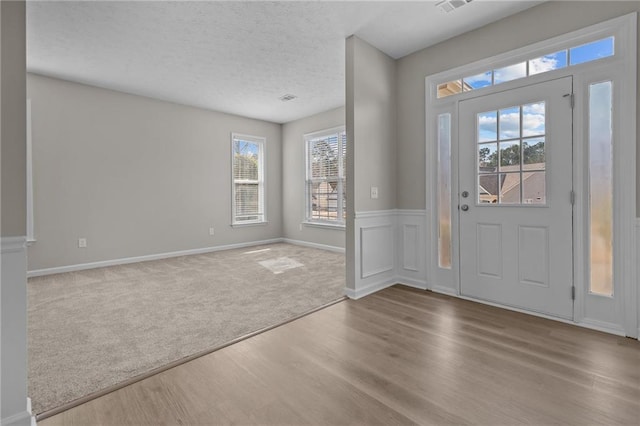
(377, 251)
(13, 342)
(374, 252)
(390, 249)
(411, 241)
(409, 245)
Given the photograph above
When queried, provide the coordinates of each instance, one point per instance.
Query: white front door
(515, 180)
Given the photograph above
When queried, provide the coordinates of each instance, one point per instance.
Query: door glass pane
(515, 166)
(591, 51)
(601, 188)
(533, 154)
(534, 188)
(510, 123)
(510, 156)
(488, 189)
(533, 119)
(509, 73)
(477, 81)
(488, 158)
(488, 126)
(444, 190)
(450, 88)
(549, 62)
(509, 188)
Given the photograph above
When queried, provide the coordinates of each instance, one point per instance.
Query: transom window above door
(511, 159)
(574, 55)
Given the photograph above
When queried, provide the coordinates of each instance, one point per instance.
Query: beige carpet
(92, 329)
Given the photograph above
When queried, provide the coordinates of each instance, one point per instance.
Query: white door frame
(622, 68)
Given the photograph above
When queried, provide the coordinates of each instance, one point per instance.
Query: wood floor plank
(400, 356)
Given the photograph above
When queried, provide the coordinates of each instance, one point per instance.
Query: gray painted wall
(536, 24)
(136, 176)
(13, 290)
(14, 149)
(373, 127)
(294, 175)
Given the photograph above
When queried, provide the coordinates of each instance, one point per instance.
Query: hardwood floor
(400, 356)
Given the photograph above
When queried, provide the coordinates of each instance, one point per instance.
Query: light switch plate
(374, 192)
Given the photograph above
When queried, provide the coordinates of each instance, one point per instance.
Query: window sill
(325, 225)
(243, 225)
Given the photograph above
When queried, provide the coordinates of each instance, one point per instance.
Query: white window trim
(623, 63)
(262, 191)
(308, 220)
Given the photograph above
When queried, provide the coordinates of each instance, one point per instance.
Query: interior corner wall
(539, 23)
(136, 176)
(14, 148)
(371, 138)
(374, 127)
(294, 175)
(14, 407)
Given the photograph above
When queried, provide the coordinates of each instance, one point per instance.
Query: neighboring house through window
(248, 179)
(326, 177)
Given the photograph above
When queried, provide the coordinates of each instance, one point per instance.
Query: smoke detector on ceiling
(288, 97)
(451, 5)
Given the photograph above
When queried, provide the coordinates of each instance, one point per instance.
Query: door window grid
(511, 163)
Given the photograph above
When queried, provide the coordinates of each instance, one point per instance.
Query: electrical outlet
(82, 242)
(374, 192)
(301, 227)
(212, 231)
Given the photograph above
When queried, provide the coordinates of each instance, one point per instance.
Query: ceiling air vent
(451, 5)
(287, 98)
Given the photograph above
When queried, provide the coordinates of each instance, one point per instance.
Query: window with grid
(326, 177)
(248, 179)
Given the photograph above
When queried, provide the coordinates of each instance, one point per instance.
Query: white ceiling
(237, 57)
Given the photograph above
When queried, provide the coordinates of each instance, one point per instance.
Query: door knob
(464, 207)
(465, 194)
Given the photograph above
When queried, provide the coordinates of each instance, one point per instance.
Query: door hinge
(572, 197)
(572, 99)
(573, 292)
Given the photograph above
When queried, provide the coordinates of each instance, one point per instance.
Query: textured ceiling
(237, 57)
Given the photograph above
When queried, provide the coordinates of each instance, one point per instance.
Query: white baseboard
(24, 418)
(411, 282)
(20, 419)
(601, 326)
(124, 261)
(314, 245)
(444, 290)
(369, 289)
